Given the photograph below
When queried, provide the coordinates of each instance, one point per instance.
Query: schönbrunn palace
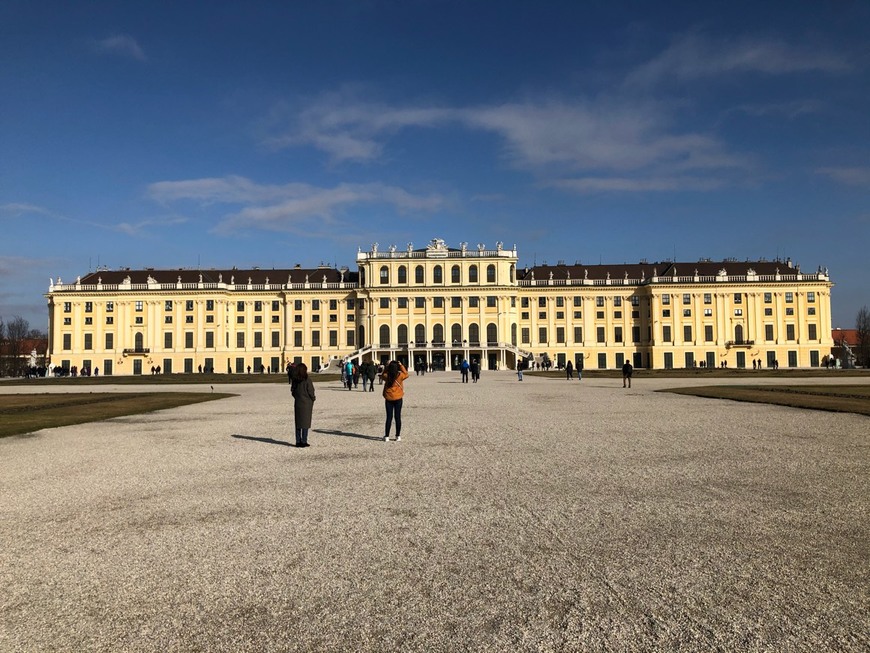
(441, 304)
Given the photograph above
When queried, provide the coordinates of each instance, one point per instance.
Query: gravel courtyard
(535, 516)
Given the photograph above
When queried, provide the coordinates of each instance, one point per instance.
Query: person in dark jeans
(394, 393)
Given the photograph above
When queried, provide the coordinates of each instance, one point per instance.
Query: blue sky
(185, 134)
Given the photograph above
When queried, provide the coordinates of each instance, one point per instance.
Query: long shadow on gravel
(346, 434)
(266, 440)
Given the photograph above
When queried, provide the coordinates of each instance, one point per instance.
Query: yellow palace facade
(437, 305)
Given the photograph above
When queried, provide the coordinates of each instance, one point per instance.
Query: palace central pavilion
(438, 305)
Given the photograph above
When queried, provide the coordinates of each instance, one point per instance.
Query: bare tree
(862, 326)
(16, 333)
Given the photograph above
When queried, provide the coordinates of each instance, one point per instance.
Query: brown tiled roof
(661, 269)
(258, 276)
(849, 335)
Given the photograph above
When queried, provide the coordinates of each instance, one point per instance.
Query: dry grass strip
(28, 413)
(840, 399)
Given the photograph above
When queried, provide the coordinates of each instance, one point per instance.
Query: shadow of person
(266, 440)
(346, 434)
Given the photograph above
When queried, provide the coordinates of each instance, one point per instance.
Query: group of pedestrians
(472, 369)
(392, 376)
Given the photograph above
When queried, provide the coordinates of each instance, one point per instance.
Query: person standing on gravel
(302, 389)
(580, 368)
(569, 370)
(627, 369)
(394, 393)
(370, 373)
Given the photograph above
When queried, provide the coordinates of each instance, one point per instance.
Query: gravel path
(535, 516)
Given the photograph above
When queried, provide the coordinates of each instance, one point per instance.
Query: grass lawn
(28, 413)
(840, 398)
(165, 379)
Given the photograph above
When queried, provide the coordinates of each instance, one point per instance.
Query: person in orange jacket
(394, 392)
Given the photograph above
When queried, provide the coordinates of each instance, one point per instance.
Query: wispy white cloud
(636, 185)
(121, 44)
(145, 227)
(781, 109)
(851, 176)
(287, 207)
(16, 210)
(695, 56)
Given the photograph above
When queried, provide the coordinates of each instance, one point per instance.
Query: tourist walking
(463, 369)
(394, 392)
(569, 370)
(627, 369)
(302, 389)
(520, 370)
(370, 373)
(580, 368)
(475, 370)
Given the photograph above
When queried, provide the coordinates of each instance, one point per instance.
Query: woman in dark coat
(302, 390)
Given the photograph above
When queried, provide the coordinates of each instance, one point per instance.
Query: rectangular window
(560, 335)
(560, 315)
(315, 318)
(738, 312)
(188, 339)
(789, 331)
(188, 305)
(167, 340)
(474, 302)
(110, 307)
(315, 304)
(402, 302)
(110, 341)
(708, 333)
(578, 315)
(666, 312)
(240, 306)
(542, 334)
(524, 315)
(617, 301)
(599, 315)
(666, 333)
(240, 319)
(687, 312)
(789, 297)
(578, 334)
(67, 341)
(617, 315)
(810, 311)
(139, 320)
(708, 312)
(768, 312)
(258, 338)
(524, 335)
(67, 321)
(333, 338)
(188, 319)
(89, 307)
(768, 297)
(666, 299)
(560, 302)
(67, 307)
(276, 338)
(602, 361)
(789, 310)
(687, 298)
(315, 338)
(811, 297)
(110, 320)
(578, 301)
(209, 339)
(89, 320)
(687, 333)
(635, 300)
(167, 319)
(240, 340)
(600, 335)
(333, 304)
(351, 338)
(524, 302)
(385, 302)
(438, 302)
(456, 302)
(167, 305)
(708, 298)
(89, 341)
(420, 302)
(617, 334)
(258, 319)
(209, 304)
(599, 300)
(139, 306)
(297, 338)
(276, 319)
(297, 304)
(542, 315)
(738, 298)
(768, 332)
(351, 304)
(635, 334)
(276, 305)
(209, 319)
(258, 306)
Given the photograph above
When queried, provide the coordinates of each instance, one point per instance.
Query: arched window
(362, 277)
(438, 333)
(419, 274)
(472, 274)
(490, 273)
(402, 333)
(514, 334)
(455, 275)
(385, 274)
(513, 272)
(362, 336)
(403, 274)
(491, 333)
(474, 334)
(139, 342)
(385, 335)
(738, 334)
(438, 274)
(420, 334)
(456, 334)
